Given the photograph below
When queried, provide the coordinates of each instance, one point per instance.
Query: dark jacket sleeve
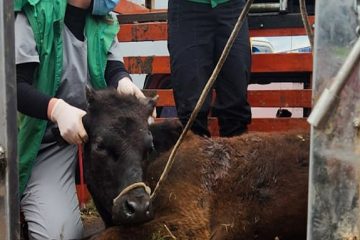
(30, 101)
(114, 71)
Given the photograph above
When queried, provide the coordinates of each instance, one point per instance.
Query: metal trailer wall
(334, 211)
(9, 207)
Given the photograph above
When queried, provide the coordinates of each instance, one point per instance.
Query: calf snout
(133, 208)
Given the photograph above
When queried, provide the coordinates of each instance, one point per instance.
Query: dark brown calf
(249, 187)
(120, 145)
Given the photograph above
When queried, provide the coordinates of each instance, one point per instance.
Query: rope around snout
(203, 95)
(131, 187)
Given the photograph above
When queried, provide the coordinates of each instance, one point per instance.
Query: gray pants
(50, 204)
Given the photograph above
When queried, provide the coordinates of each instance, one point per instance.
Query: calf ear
(165, 134)
(150, 103)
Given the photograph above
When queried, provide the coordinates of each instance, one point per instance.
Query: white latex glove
(126, 86)
(69, 121)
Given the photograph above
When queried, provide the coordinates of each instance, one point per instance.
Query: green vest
(213, 3)
(46, 18)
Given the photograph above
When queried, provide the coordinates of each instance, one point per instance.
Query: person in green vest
(197, 33)
(61, 46)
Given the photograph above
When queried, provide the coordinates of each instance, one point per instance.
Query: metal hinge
(2, 153)
(283, 5)
(357, 11)
(356, 124)
(2, 163)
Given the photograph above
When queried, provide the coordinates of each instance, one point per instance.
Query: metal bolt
(2, 153)
(2, 163)
(357, 30)
(356, 122)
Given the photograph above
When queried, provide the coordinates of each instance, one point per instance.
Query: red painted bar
(155, 31)
(257, 98)
(264, 125)
(127, 7)
(261, 63)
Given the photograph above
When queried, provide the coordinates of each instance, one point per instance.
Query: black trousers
(197, 35)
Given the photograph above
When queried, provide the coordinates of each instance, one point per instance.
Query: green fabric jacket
(213, 3)
(46, 18)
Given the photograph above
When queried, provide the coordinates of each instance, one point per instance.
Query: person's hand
(127, 87)
(69, 121)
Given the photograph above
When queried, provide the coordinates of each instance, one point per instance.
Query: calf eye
(106, 150)
(100, 146)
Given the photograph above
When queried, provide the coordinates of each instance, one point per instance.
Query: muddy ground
(91, 220)
(94, 225)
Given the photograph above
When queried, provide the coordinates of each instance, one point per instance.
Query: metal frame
(281, 6)
(334, 209)
(9, 199)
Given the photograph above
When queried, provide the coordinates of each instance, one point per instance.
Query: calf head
(120, 142)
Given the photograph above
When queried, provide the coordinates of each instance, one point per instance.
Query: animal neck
(183, 192)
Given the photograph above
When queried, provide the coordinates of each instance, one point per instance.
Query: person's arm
(30, 101)
(114, 71)
(35, 104)
(117, 77)
(116, 74)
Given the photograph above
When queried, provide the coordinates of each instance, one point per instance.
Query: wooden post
(9, 199)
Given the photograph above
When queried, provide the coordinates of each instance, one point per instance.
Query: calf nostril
(130, 207)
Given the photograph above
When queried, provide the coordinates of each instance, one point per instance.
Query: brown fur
(248, 187)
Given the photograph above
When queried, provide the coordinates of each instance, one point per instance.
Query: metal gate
(335, 148)
(9, 207)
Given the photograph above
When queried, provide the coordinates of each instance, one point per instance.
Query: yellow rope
(131, 187)
(305, 19)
